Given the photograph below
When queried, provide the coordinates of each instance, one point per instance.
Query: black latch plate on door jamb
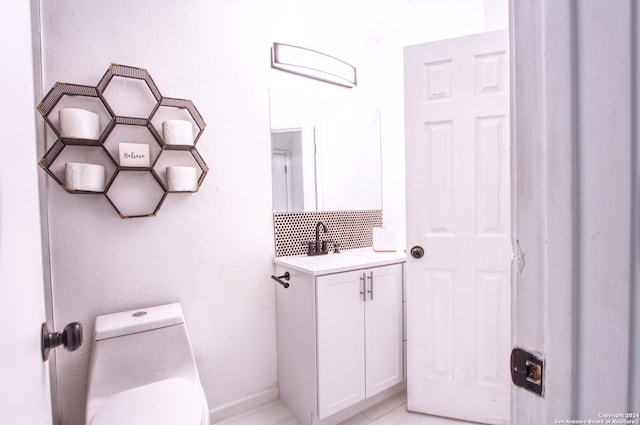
(527, 371)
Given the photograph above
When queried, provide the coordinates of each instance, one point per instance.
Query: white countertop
(352, 259)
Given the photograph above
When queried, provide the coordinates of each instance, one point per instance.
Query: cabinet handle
(363, 291)
(370, 291)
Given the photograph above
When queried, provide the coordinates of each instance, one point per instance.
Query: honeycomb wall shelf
(131, 109)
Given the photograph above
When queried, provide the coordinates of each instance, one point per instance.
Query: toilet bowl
(143, 370)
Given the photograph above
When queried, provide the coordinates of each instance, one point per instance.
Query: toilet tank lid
(139, 320)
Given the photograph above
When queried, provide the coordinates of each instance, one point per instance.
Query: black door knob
(70, 338)
(417, 252)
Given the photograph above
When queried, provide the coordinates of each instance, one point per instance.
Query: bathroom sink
(334, 263)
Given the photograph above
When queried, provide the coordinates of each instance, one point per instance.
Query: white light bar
(312, 64)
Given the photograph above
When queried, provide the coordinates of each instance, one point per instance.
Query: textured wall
(197, 249)
(211, 250)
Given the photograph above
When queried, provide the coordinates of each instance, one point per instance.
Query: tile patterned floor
(392, 411)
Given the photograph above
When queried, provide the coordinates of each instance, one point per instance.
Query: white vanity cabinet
(359, 335)
(340, 337)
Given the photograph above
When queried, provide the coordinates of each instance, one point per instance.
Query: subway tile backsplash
(350, 229)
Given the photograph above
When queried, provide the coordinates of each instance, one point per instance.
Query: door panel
(341, 355)
(438, 153)
(492, 161)
(384, 329)
(458, 210)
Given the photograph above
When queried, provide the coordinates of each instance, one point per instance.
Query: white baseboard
(244, 404)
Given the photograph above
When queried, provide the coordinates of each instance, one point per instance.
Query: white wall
(420, 22)
(212, 250)
(605, 217)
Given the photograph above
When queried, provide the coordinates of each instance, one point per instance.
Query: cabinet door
(384, 328)
(340, 333)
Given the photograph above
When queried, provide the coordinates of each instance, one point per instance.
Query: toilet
(143, 371)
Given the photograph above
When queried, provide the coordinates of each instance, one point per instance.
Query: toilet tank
(139, 347)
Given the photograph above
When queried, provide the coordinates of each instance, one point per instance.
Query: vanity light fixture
(312, 64)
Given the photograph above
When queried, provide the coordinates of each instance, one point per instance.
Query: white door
(458, 211)
(24, 387)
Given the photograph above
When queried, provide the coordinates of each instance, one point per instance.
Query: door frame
(554, 95)
(287, 161)
(543, 311)
(26, 387)
(537, 299)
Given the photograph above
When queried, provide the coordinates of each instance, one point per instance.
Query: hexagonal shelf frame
(134, 122)
(55, 151)
(124, 71)
(60, 90)
(194, 156)
(152, 206)
(182, 104)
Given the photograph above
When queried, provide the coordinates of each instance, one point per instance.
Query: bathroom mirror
(325, 155)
